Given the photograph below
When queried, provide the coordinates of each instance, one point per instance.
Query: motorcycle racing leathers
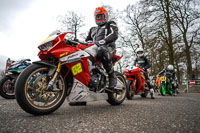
(107, 33)
(170, 74)
(143, 63)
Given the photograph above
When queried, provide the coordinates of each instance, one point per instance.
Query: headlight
(46, 46)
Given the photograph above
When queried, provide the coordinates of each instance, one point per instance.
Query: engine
(98, 80)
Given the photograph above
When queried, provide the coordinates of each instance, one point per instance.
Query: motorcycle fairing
(139, 75)
(78, 65)
(91, 49)
(74, 56)
(81, 93)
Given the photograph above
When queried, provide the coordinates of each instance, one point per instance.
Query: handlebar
(74, 42)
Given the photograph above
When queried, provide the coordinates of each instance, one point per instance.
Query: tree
(71, 21)
(160, 14)
(112, 14)
(187, 20)
(142, 29)
(135, 21)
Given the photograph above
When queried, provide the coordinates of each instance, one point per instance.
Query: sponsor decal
(143, 76)
(63, 54)
(163, 78)
(73, 55)
(46, 39)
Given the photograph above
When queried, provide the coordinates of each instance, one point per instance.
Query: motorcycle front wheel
(145, 94)
(7, 88)
(130, 91)
(162, 89)
(116, 97)
(32, 94)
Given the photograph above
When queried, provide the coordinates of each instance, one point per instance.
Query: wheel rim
(35, 90)
(8, 89)
(120, 94)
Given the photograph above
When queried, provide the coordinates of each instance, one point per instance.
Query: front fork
(133, 83)
(52, 81)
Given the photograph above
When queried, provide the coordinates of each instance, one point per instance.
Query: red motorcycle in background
(136, 84)
(67, 69)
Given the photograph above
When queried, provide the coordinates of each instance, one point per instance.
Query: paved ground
(167, 114)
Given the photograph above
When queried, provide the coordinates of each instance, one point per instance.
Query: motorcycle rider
(170, 73)
(143, 63)
(104, 35)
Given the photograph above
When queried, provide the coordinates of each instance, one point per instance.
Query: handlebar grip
(84, 43)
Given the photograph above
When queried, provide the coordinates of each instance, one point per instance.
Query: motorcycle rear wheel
(170, 89)
(31, 93)
(118, 96)
(6, 88)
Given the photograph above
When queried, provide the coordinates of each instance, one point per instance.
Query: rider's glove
(101, 43)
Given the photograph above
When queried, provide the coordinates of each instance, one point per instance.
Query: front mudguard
(129, 83)
(64, 71)
(13, 76)
(52, 67)
(163, 89)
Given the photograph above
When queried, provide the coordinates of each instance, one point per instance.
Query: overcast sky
(25, 23)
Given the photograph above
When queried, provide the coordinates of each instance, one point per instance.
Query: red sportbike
(67, 69)
(136, 84)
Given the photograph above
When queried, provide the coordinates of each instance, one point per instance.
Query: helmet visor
(139, 52)
(100, 17)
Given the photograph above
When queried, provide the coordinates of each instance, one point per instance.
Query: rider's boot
(151, 89)
(175, 92)
(112, 80)
(111, 75)
(152, 93)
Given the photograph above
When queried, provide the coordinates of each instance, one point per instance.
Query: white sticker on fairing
(76, 55)
(131, 67)
(92, 50)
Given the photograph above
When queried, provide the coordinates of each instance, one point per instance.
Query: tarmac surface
(165, 114)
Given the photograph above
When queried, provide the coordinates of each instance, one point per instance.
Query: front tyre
(31, 93)
(7, 88)
(145, 94)
(162, 89)
(130, 90)
(116, 97)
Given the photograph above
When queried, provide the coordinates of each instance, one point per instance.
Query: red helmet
(101, 16)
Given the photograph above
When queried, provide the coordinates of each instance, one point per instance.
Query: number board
(76, 69)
